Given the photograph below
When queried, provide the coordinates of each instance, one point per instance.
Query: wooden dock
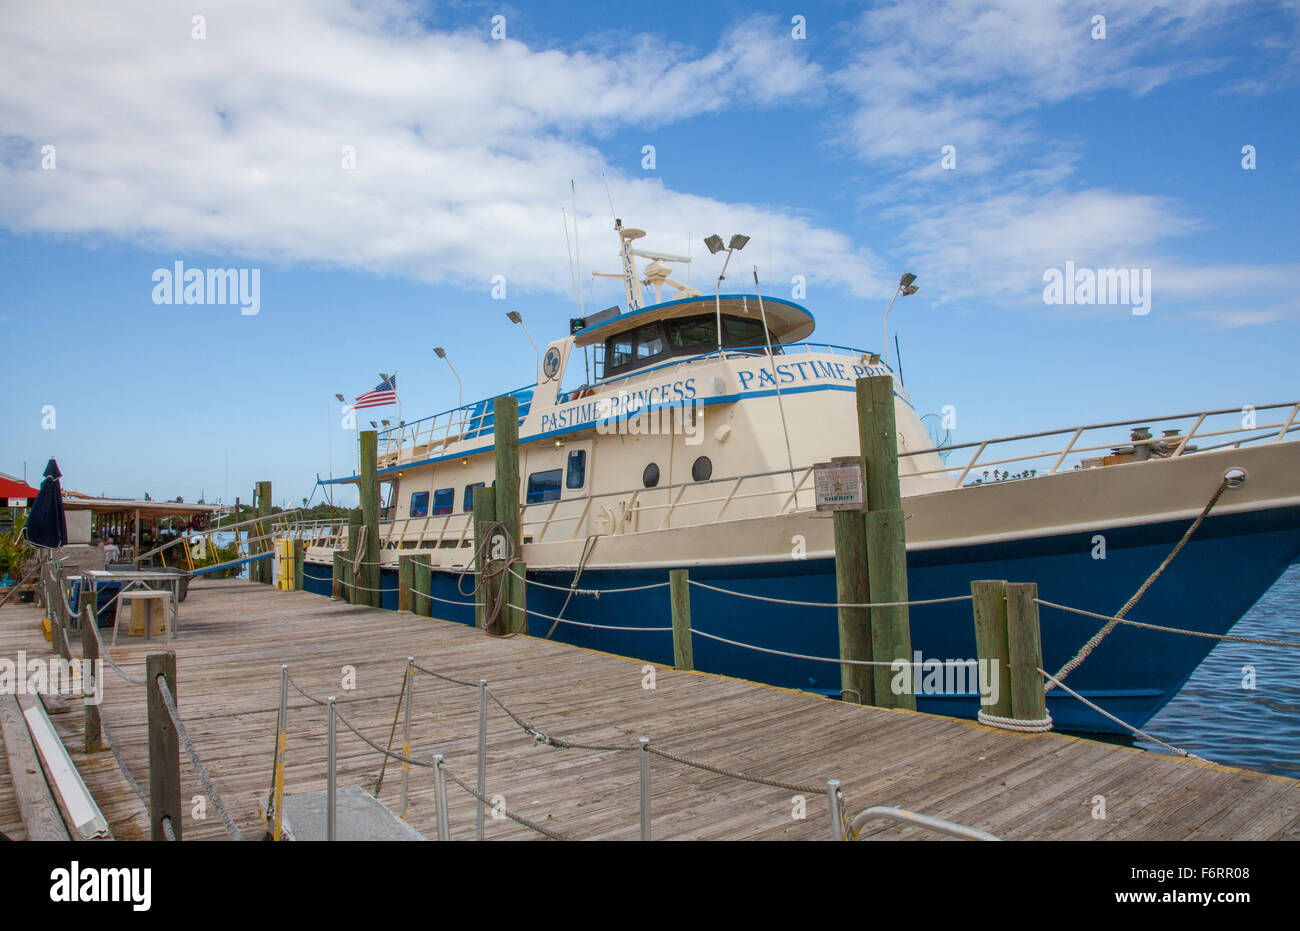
(234, 636)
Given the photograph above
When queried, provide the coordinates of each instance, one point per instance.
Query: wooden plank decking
(234, 636)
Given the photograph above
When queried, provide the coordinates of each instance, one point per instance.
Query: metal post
(440, 797)
(482, 757)
(833, 796)
(281, 744)
(406, 737)
(331, 785)
(644, 756)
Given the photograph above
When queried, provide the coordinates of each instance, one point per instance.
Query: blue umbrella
(46, 525)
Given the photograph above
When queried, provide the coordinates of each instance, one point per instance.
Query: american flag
(381, 395)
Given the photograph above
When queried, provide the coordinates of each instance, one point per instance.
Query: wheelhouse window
(544, 486)
(419, 504)
(576, 473)
(468, 504)
(680, 336)
(444, 501)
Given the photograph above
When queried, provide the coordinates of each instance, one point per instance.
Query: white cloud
(464, 145)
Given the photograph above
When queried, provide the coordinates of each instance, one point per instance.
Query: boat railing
(786, 491)
(1087, 446)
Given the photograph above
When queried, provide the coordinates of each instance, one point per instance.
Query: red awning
(12, 489)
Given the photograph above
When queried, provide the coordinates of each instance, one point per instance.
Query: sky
(381, 166)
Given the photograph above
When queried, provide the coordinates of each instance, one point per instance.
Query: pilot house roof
(787, 321)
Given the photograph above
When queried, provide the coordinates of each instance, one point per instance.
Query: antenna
(612, 212)
(573, 191)
(573, 278)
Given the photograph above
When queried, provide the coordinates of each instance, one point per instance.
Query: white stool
(146, 596)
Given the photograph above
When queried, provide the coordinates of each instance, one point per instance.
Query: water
(1215, 717)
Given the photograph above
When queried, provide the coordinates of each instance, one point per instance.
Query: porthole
(702, 469)
(650, 477)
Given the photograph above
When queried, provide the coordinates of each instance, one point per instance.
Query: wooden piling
(369, 568)
(337, 589)
(485, 514)
(505, 425)
(886, 537)
(405, 578)
(164, 749)
(265, 569)
(852, 586)
(421, 584)
(90, 673)
(299, 557)
(989, 603)
(1025, 652)
(679, 588)
(349, 568)
(891, 632)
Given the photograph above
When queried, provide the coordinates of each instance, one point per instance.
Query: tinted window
(650, 477)
(742, 332)
(469, 496)
(702, 469)
(576, 475)
(419, 504)
(444, 501)
(692, 332)
(620, 350)
(648, 341)
(544, 486)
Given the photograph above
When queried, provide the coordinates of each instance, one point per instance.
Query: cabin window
(743, 333)
(419, 504)
(620, 350)
(544, 486)
(468, 504)
(444, 501)
(702, 469)
(650, 477)
(576, 474)
(649, 342)
(692, 332)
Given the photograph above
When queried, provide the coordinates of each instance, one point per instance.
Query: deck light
(386, 423)
(905, 288)
(374, 425)
(460, 388)
(516, 317)
(341, 398)
(715, 245)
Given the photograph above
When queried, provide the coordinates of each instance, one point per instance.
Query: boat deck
(234, 635)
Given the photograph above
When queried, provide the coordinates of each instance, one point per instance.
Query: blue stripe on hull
(1228, 564)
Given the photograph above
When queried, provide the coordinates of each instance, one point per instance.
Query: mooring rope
(1027, 726)
(1111, 624)
(565, 620)
(1104, 713)
(231, 828)
(1169, 630)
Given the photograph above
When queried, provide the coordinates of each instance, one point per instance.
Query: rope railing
(107, 655)
(121, 764)
(831, 604)
(513, 816)
(170, 703)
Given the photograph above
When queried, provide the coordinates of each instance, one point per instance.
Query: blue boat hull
(1228, 564)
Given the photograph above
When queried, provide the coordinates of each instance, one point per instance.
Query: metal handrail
(928, 822)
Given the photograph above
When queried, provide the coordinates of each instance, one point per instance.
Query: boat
(688, 436)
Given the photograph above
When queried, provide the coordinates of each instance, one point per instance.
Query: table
(138, 579)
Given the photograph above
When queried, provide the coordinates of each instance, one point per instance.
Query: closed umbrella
(46, 525)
